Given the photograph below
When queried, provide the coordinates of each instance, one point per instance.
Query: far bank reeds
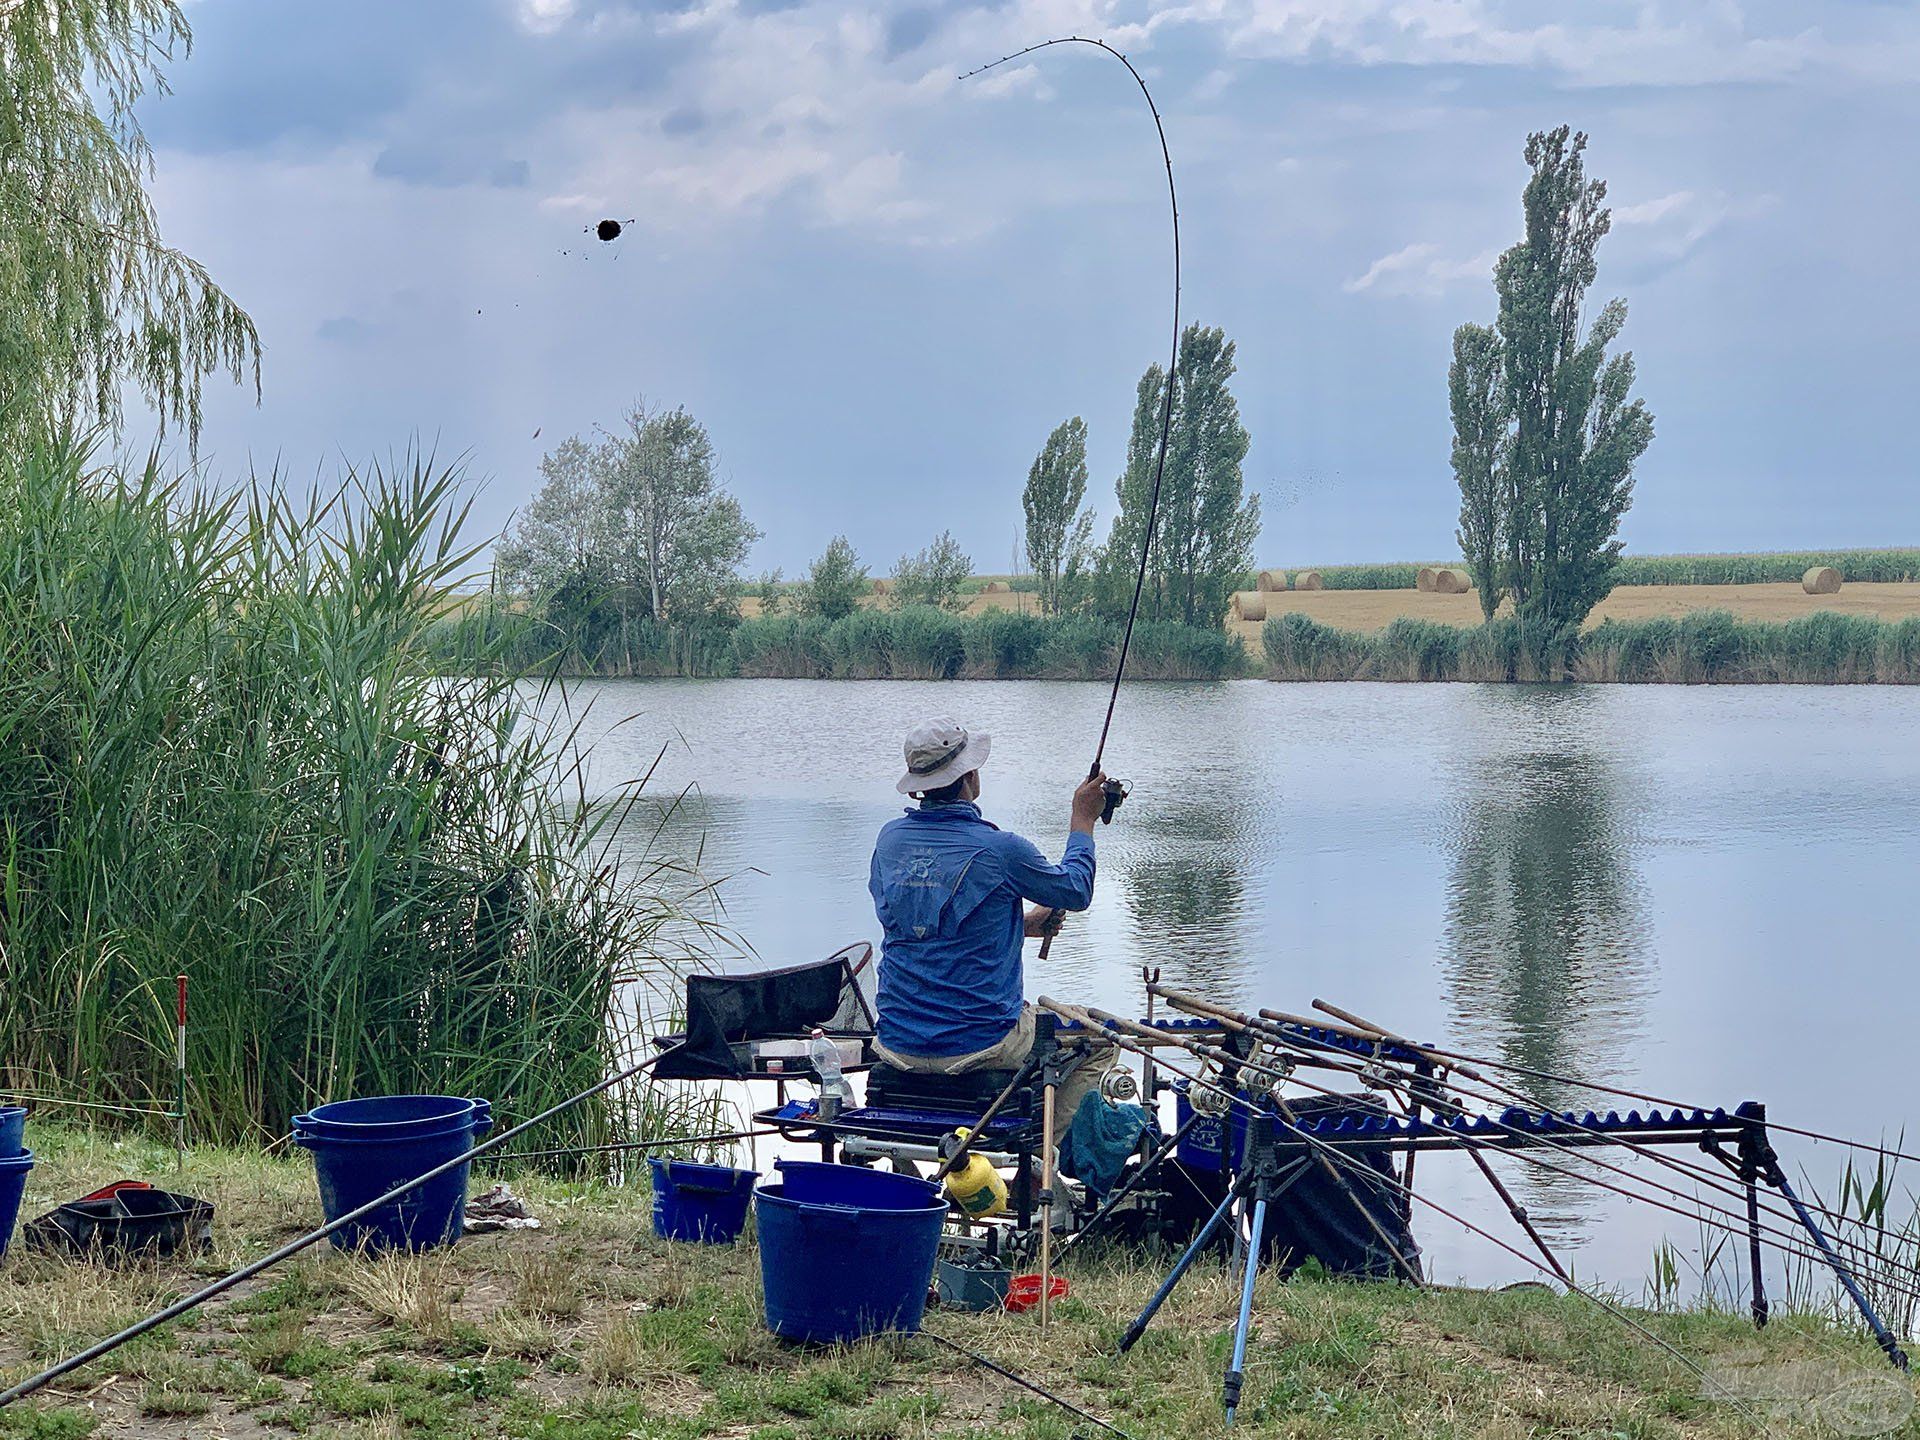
(916, 643)
(1708, 647)
(226, 750)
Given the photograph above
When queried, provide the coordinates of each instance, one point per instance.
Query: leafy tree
(677, 538)
(1575, 432)
(933, 577)
(1058, 532)
(633, 526)
(834, 584)
(91, 298)
(560, 540)
(767, 587)
(1204, 538)
(1474, 387)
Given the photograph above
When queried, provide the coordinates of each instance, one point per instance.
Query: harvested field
(1376, 609)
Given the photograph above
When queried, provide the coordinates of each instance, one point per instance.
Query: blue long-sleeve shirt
(947, 886)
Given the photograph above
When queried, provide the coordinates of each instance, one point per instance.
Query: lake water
(1706, 893)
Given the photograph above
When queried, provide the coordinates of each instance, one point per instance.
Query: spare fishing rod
(314, 1237)
(1552, 1077)
(1116, 791)
(1792, 1243)
(1337, 1157)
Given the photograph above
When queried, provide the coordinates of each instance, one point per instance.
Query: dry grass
(590, 1329)
(1370, 610)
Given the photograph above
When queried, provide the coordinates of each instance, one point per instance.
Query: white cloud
(1673, 225)
(1604, 42)
(543, 17)
(1419, 269)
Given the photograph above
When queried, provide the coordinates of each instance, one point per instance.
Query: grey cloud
(344, 329)
(686, 120)
(909, 30)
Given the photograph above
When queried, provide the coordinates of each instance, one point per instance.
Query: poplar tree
(91, 297)
(1203, 539)
(1575, 432)
(1059, 532)
(1478, 402)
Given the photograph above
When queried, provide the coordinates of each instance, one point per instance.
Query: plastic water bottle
(826, 1065)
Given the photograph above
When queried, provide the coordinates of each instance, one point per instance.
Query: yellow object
(976, 1187)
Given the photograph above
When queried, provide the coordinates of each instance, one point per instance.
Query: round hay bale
(1821, 580)
(1309, 580)
(1269, 581)
(881, 587)
(998, 587)
(1249, 605)
(1425, 579)
(1452, 581)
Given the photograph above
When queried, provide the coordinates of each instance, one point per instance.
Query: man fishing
(948, 886)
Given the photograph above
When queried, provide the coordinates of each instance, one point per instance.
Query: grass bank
(225, 751)
(1704, 647)
(916, 643)
(590, 1329)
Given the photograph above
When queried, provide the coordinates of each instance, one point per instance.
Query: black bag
(726, 1013)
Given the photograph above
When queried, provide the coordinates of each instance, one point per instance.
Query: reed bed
(919, 642)
(228, 749)
(1707, 647)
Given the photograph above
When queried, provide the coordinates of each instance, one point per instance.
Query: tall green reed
(241, 742)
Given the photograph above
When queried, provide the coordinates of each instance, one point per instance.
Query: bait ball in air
(608, 229)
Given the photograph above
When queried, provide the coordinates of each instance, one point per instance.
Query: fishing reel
(1116, 792)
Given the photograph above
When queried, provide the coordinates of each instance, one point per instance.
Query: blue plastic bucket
(385, 1117)
(706, 1204)
(13, 1184)
(13, 1131)
(358, 1167)
(846, 1252)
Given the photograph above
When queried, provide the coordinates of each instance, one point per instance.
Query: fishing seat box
(969, 1094)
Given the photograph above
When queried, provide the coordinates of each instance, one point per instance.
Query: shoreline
(591, 1329)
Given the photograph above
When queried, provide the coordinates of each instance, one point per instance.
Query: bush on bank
(1705, 647)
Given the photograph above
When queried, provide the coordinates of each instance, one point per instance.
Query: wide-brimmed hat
(938, 753)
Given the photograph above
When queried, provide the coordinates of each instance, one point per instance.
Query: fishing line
(627, 1146)
(1114, 796)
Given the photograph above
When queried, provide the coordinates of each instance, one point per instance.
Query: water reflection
(1548, 959)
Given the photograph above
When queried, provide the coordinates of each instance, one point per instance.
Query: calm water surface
(1707, 893)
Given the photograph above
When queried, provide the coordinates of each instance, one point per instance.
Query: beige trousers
(1008, 1054)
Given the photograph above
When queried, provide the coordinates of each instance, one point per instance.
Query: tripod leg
(1046, 1199)
(1760, 1307)
(1888, 1343)
(1236, 1373)
(1193, 1252)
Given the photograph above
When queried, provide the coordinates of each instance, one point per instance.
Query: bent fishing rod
(314, 1237)
(1117, 790)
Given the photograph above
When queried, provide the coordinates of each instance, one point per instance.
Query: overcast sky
(880, 287)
